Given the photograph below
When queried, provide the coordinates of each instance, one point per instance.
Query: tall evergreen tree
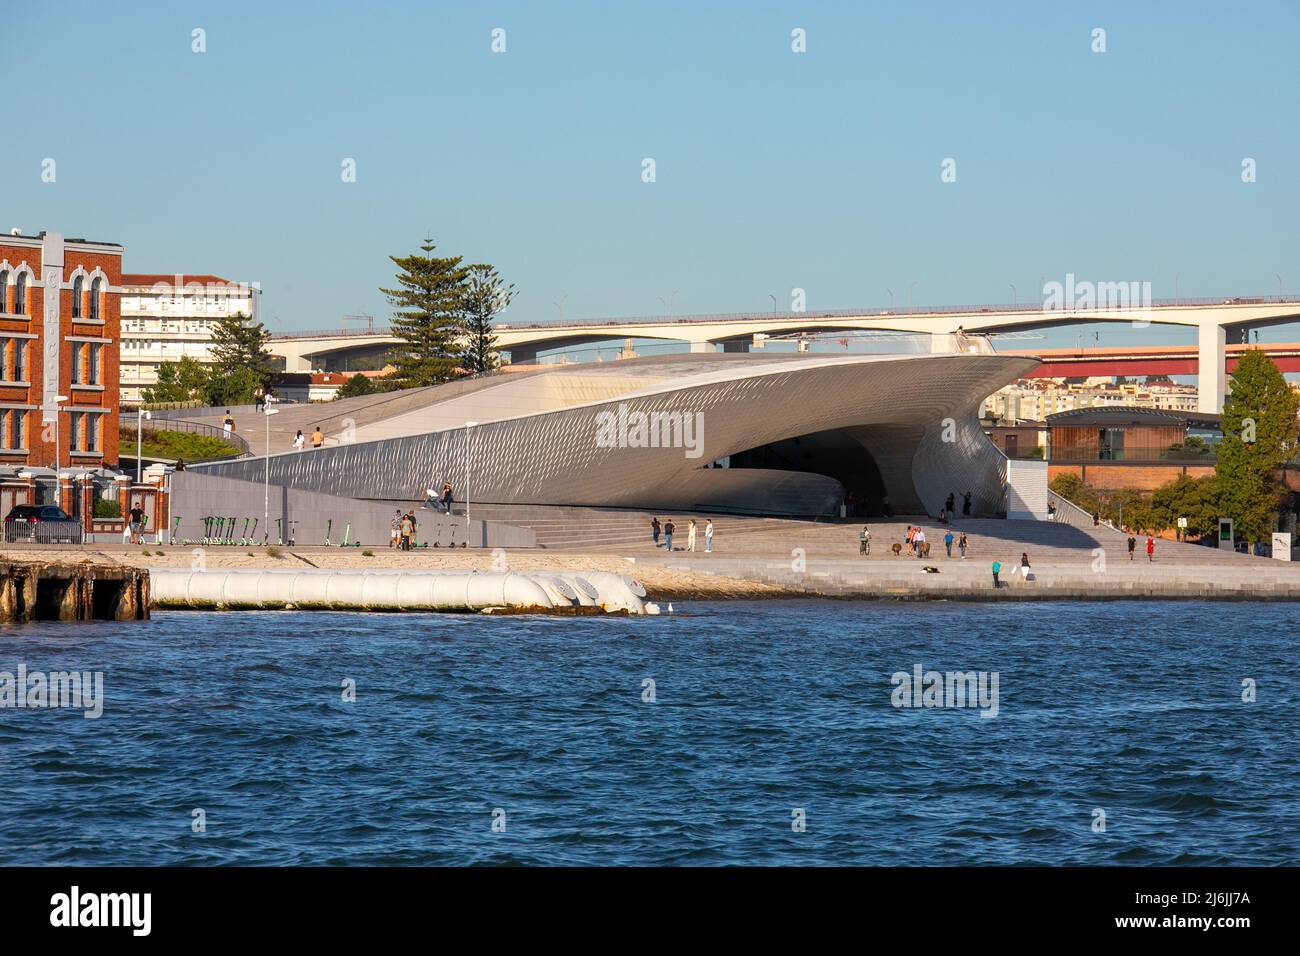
(1259, 434)
(238, 343)
(486, 296)
(428, 317)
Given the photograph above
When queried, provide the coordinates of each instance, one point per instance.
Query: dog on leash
(896, 548)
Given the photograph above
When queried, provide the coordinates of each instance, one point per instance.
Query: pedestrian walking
(962, 544)
(864, 541)
(228, 423)
(1151, 548)
(299, 441)
(137, 523)
(669, 528)
(317, 438)
(655, 528)
(947, 542)
(918, 543)
(997, 569)
(394, 527)
(950, 505)
(1132, 546)
(965, 505)
(690, 536)
(405, 527)
(708, 536)
(910, 537)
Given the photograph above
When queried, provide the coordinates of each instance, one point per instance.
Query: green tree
(236, 387)
(1259, 435)
(238, 343)
(356, 385)
(428, 317)
(486, 296)
(181, 381)
(1196, 499)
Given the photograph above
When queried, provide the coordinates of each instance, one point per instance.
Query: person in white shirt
(708, 537)
(299, 441)
(690, 536)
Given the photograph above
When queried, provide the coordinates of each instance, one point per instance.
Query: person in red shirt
(1151, 548)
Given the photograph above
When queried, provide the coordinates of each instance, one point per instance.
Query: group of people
(949, 511)
(300, 441)
(441, 501)
(402, 530)
(668, 529)
(915, 542)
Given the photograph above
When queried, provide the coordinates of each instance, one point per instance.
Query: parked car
(46, 524)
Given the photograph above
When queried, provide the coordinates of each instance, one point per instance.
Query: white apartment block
(168, 317)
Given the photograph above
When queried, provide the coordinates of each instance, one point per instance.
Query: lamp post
(140, 415)
(268, 411)
(468, 426)
(773, 298)
(1015, 299)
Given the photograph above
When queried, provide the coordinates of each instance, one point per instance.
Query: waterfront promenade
(763, 558)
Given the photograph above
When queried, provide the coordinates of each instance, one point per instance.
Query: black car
(46, 524)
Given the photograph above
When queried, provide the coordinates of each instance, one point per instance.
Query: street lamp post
(140, 415)
(268, 411)
(1015, 298)
(468, 449)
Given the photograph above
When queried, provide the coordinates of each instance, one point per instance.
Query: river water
(740, 732)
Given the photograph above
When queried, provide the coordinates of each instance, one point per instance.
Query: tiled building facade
(59, 328)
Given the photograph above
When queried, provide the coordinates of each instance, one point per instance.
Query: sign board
(1282, 545)
(1225, 534)
(1182, 522)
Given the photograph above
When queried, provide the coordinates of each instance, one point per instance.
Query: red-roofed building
(167, 317)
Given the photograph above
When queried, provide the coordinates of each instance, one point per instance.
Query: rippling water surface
(761, 709)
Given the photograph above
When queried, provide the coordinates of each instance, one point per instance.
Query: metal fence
(43, 532)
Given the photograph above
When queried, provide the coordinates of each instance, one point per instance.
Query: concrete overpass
(1214, 319)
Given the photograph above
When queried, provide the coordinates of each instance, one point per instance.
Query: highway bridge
(1215, 319)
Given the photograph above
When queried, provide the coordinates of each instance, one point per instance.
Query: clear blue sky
(775, 170)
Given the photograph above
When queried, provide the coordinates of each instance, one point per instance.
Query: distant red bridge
(1146, 360)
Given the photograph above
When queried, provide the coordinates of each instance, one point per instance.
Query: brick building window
(20, 294)
(4, 290)
(20, 360)
(11, 427)
(77, 283)
(95, 286)
(93, 370)
(74, 430)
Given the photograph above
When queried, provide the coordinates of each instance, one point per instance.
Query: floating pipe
(395, 590)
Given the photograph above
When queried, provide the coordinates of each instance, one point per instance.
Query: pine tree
(238, 343)
(1259, 434)
(486, 296)
(428, 318)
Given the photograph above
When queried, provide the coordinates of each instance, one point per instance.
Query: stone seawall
(38, 591)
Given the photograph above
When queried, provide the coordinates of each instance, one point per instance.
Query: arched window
(76, 297)
(4, 290)
(20, 295)
(94, 297)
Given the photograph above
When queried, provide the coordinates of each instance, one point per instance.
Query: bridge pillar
(735, 345)
(1211, 367)
(705, 346)
(521, 354)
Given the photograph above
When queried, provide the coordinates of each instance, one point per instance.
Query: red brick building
(59, 328)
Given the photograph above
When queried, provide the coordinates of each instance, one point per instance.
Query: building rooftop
(1115, 416)
(170, 279)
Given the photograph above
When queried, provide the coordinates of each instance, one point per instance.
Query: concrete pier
(35, 591)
